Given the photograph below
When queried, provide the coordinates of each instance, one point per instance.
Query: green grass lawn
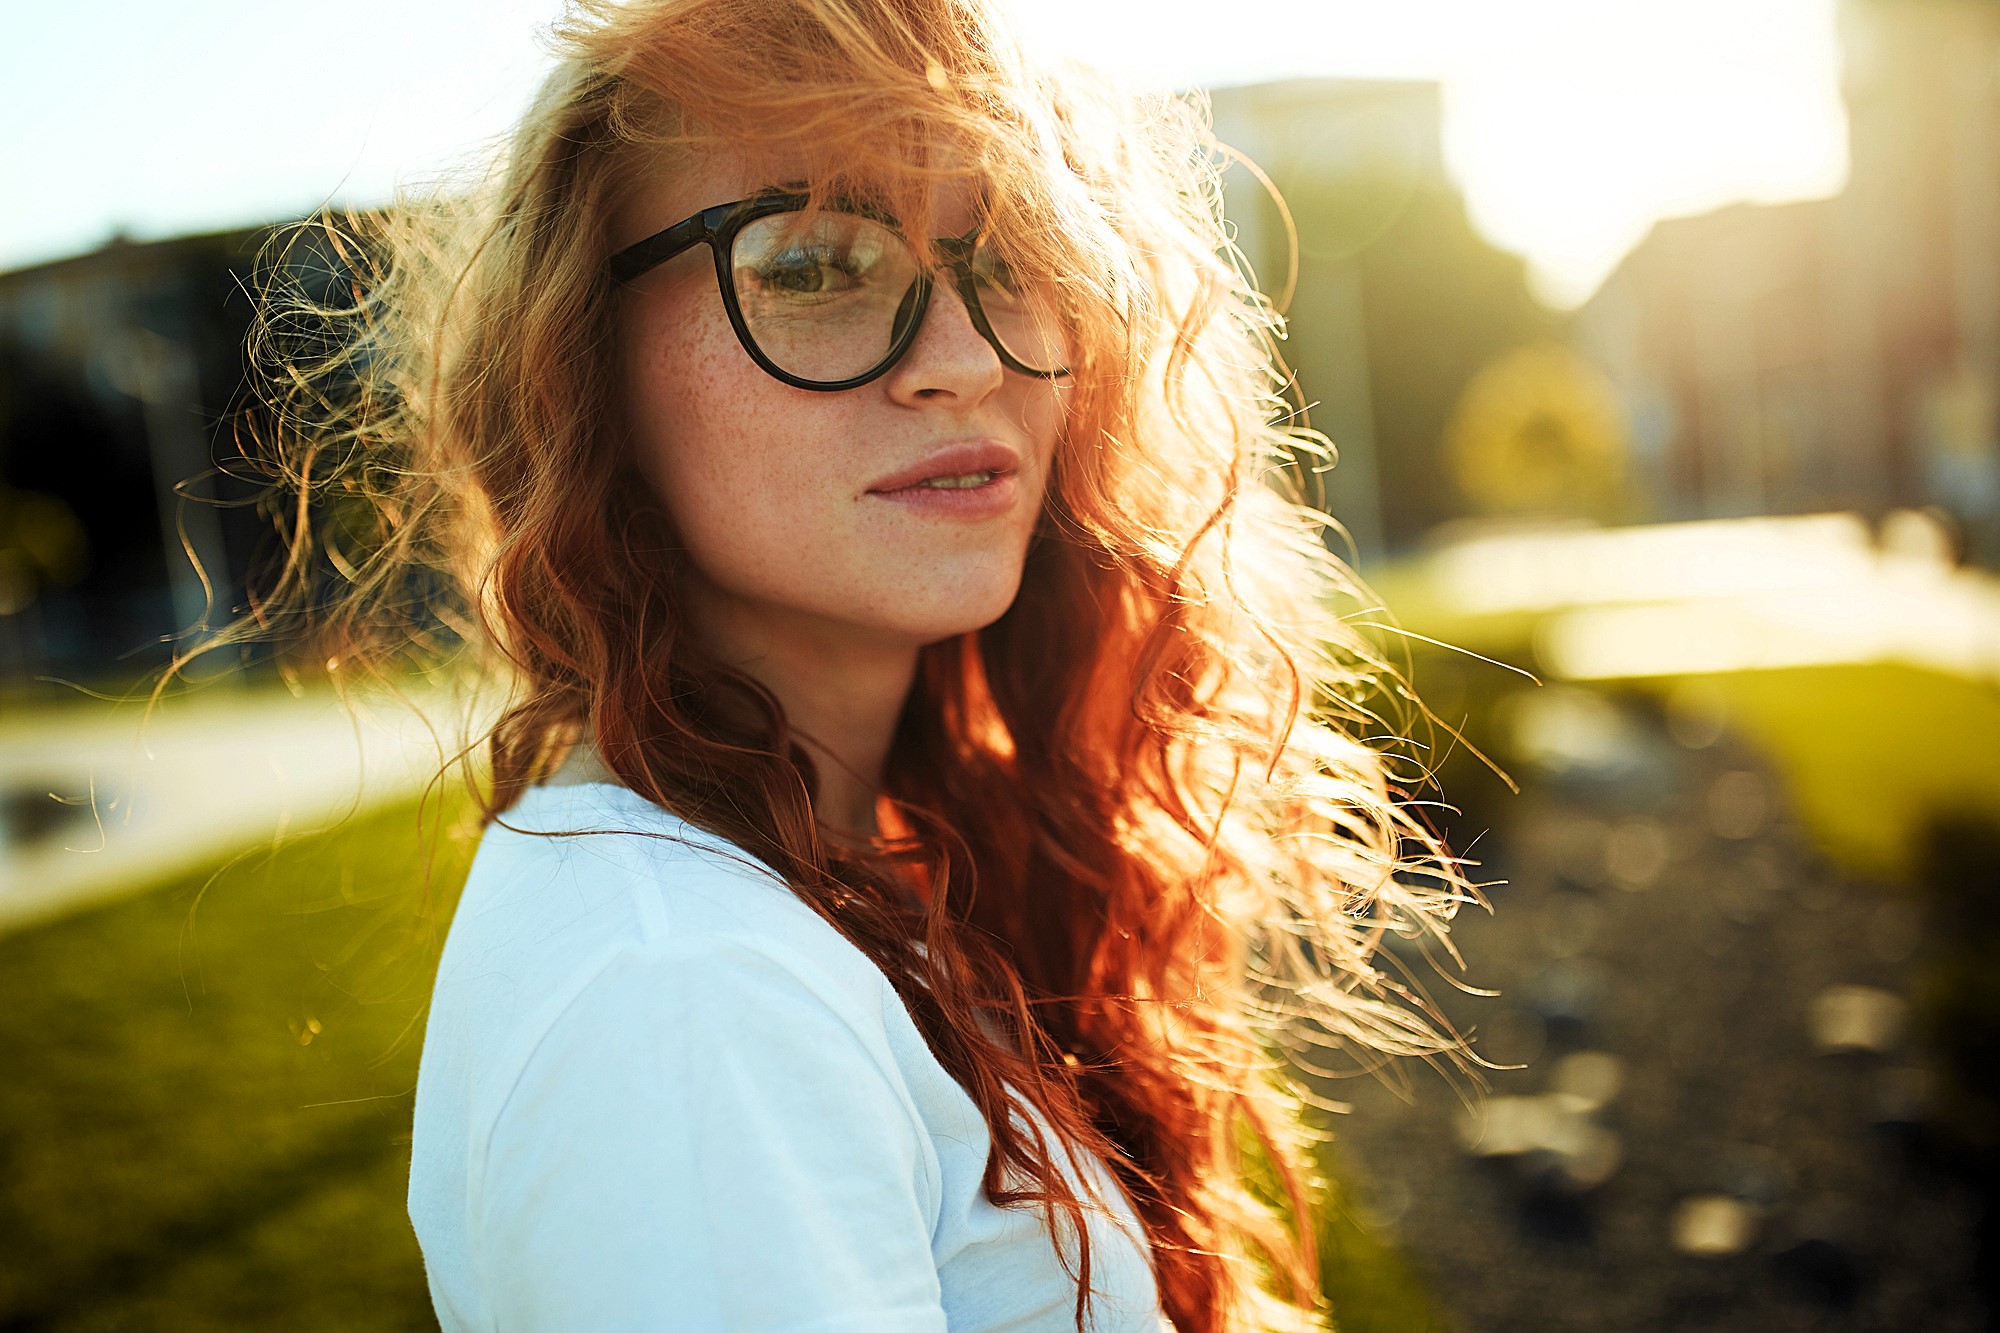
(1871, 754)
(206, 1115)
(1368, 1283)
(206, 1120)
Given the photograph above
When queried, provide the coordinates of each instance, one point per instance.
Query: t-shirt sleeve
(704, 1140)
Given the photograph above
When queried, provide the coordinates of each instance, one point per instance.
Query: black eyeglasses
(832, 298)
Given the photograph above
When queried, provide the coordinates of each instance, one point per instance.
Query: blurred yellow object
(1540, 432)
(41, 542)
(1858, 1018)
(1590, 1079)
(1713, 1225)
(1557, 1123)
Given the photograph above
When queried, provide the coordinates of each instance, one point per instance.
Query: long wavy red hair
(1154, 837)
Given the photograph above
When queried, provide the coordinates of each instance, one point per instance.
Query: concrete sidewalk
(102, 801)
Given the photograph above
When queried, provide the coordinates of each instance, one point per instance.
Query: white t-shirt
(659, 1093)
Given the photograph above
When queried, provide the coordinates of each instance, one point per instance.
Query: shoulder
(561, 849)
(654, 1080)
(591, 914)
(574, 875)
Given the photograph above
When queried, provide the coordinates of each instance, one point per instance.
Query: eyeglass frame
(717, 228)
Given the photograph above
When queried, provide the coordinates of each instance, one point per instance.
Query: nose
(950, 359)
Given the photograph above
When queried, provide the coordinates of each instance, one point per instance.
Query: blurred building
(1840, 353)
(1397, 302)
(121, 372)
(118, 370)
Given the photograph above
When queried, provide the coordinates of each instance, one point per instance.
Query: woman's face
(803, 511)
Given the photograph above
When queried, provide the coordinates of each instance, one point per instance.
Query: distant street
(94, 805)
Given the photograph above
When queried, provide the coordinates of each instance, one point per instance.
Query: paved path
(97, 805)
(1726, 595)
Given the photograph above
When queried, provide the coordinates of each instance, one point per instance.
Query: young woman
(929, 782)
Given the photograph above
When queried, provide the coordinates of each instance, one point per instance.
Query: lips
(958, 459)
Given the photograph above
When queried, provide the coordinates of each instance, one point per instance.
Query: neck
(842, 693)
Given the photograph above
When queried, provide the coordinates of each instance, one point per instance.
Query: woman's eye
(807, 273)
(1000, 279)
(995, 271)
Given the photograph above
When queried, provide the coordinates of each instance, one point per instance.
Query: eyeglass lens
(826, 296)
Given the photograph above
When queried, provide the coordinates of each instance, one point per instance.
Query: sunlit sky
(1571, 125)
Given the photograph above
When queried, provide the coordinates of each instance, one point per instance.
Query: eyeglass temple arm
(657, 249)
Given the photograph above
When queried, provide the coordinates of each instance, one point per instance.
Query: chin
(971, 610)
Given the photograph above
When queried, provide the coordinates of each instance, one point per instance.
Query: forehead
(669, 186)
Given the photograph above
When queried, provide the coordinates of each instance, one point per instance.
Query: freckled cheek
(720, 445)
(683, 420)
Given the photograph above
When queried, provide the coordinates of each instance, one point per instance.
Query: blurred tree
(86, 421)
(1437, 303)
(1398, 301)
(1440, 304)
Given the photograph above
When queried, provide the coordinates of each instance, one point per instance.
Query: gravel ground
(1721, 1121)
